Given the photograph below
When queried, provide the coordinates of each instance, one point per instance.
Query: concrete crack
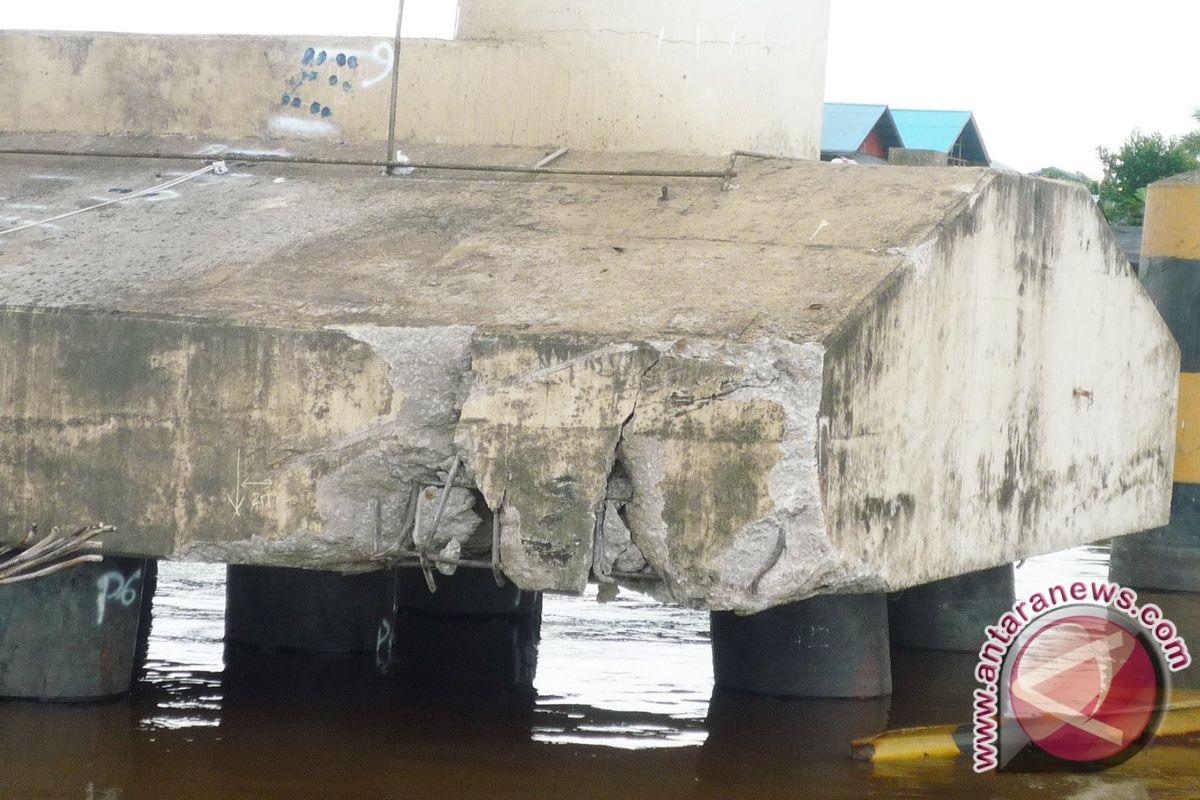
(599, 513)
(686, 403)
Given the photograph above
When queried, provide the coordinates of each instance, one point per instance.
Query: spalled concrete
(820, 380)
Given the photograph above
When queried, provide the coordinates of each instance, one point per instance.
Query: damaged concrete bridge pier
(684, 357)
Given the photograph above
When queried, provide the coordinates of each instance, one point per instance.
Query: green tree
(1141, 161)
(1062, 175)
(1191, 141)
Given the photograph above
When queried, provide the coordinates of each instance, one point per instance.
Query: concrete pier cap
(823, 380)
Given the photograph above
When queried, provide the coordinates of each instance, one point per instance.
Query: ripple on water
(623, 707)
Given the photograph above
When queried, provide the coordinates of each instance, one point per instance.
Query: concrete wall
(198, 447)
(747, 22)
(1034, 393)
(227, 86)
(906, 157)
(697, 88)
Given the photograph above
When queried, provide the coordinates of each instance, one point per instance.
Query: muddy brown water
(623, 707)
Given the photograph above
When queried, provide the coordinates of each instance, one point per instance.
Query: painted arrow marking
(239, 484)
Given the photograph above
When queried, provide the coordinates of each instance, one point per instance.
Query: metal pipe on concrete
(1167, 559)
(951, 614)
(825, 647)
(266, 158)
(394, 99)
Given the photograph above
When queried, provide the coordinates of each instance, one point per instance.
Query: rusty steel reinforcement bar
(497, 567)
(233, 156)
(445, 498)
(409, 559)
(56, 552)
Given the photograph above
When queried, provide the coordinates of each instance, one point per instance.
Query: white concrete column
(699, 76)
(744, 21)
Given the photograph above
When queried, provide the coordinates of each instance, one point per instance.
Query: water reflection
(628, 673)
(778, 745)
(1089, 561)
(622, 706)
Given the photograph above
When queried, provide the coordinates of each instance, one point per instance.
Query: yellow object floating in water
(1181, 719)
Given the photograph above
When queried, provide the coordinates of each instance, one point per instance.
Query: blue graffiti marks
(318, 68)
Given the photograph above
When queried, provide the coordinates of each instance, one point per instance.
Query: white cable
(217, 168)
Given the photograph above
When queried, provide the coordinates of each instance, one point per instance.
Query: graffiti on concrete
(326, 78)
(383, 646)
(115, 586)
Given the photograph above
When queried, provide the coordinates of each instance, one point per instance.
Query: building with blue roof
(951, 132)
(858, 131)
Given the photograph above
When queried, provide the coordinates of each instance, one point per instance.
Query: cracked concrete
(745, 415)
(542, 443)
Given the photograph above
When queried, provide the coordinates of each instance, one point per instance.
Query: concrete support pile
(1163, 565)
(826, 647)
(72, 635)
(307, 610)
(468, 633)
(951, 614)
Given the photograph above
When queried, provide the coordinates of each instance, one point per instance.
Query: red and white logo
(1073, 677)
(1083, 688)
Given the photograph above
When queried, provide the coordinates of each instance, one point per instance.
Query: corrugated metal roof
(847, 125)
(928, 129)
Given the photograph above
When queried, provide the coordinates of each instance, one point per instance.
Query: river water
(623, 707)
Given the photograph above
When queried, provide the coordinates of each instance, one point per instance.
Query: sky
(1047, 80)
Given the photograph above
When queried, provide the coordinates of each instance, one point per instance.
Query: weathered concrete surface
(681, 80)
(825, 379)
(907, 157)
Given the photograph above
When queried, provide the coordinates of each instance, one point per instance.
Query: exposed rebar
(497, 568)
(445, 498)
(52, 554)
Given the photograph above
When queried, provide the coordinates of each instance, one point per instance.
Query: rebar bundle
(29, 559)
